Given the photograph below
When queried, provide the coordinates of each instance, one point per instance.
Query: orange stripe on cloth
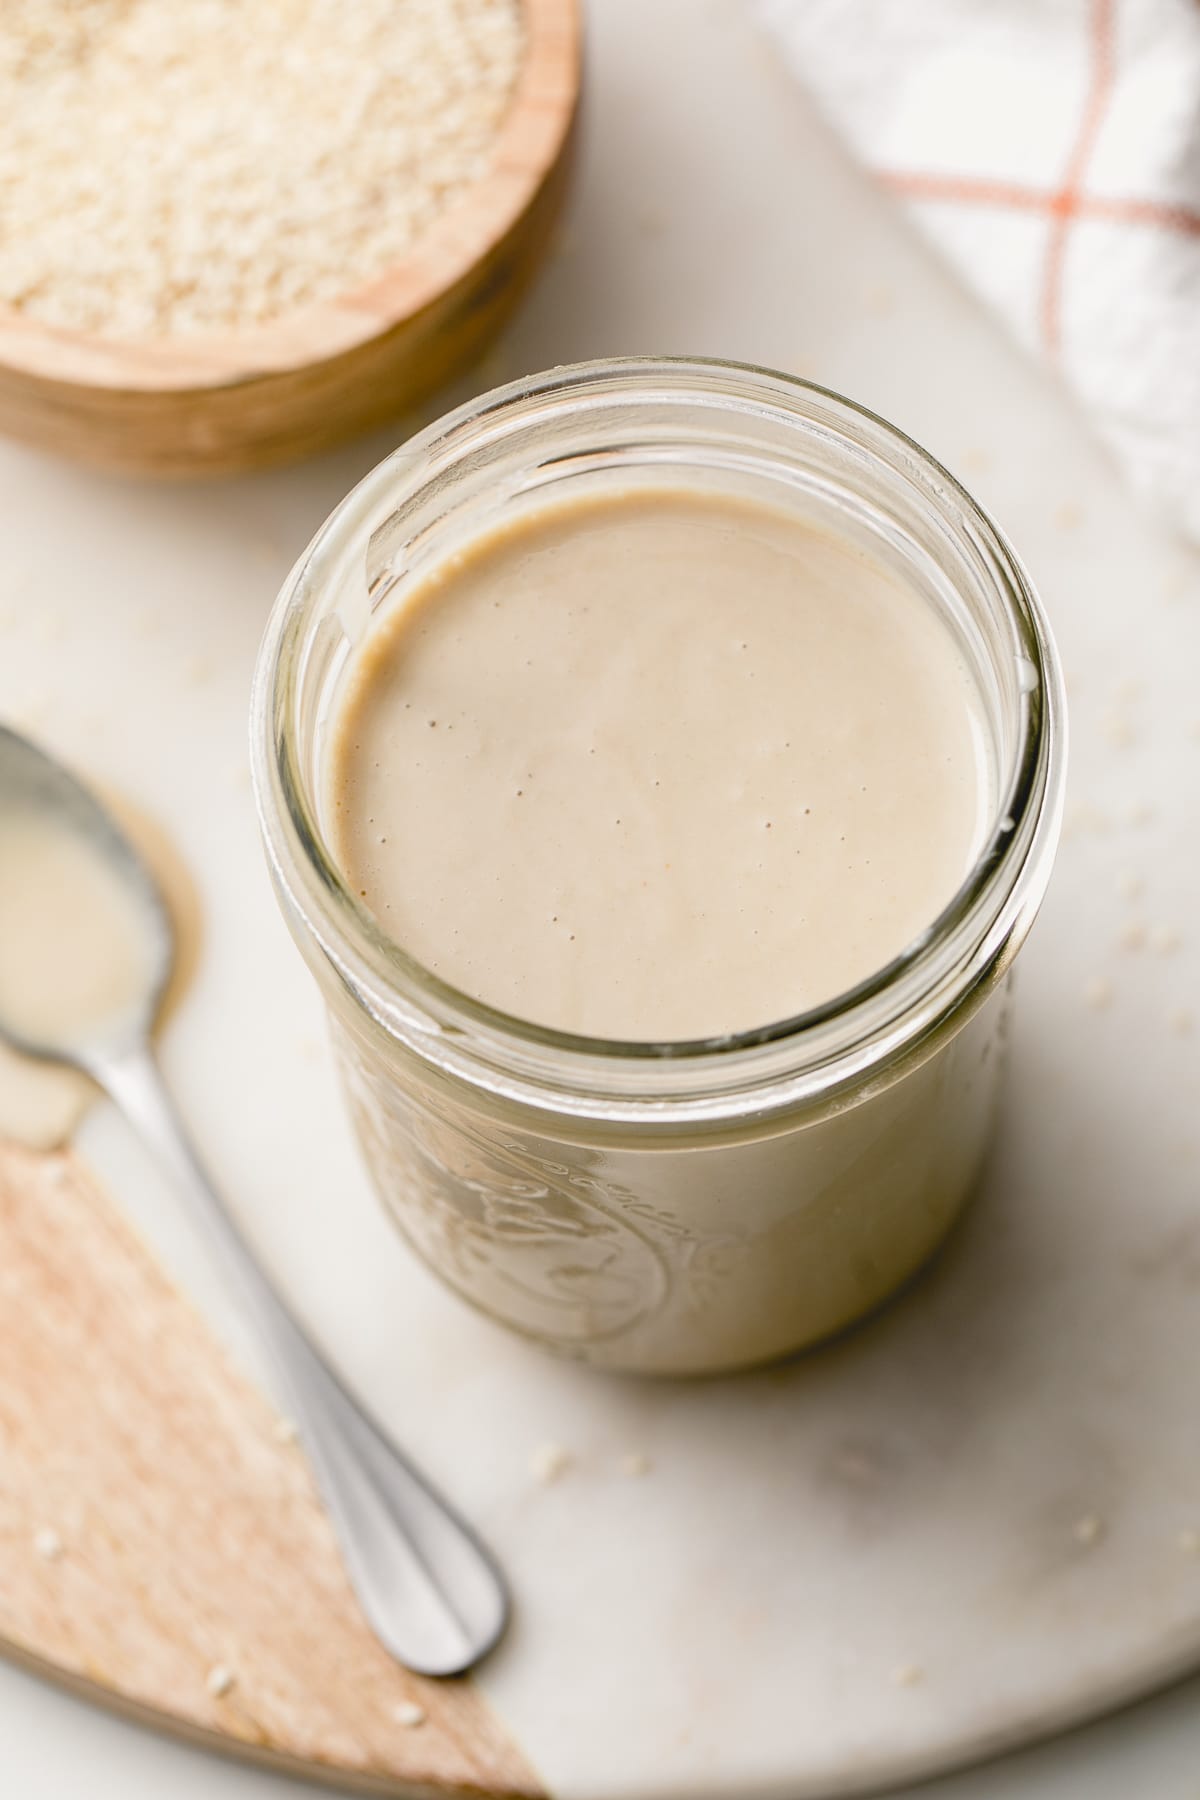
(1067, 199)
(1144, 212)
(969, 190)
(916, 185)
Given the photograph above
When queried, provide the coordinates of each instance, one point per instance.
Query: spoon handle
(428, 1587)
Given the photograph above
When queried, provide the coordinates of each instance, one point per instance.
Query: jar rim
(813, 1054)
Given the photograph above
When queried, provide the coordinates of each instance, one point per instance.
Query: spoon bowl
(56, 836)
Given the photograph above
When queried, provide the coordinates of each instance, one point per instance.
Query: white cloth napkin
(1051, 149)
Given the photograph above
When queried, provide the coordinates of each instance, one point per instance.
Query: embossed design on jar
(549, 1248)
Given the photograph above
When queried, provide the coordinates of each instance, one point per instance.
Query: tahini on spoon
(428, 1587)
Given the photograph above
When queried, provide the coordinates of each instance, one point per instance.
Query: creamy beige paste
(658, 766)
(72, 954)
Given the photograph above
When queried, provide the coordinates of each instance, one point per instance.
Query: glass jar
(676, 1207)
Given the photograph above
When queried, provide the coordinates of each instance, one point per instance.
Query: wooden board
(160, 1534)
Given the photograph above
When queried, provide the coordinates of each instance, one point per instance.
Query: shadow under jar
(692, 1206)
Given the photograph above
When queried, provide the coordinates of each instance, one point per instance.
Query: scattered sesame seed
(219, 1681)
(1133, 936)
(1163, 939)
(1068, 515)
(1129, 885)
(549, 1462)
(635, 1463)
(1189, 1542)
(1098, 992)
(1088, 1530)
(1182, 1021)
(410, 1715)
(56, 1172)
(855, 1464)
(1086, 817)
(1119, 732)
(908, 1675)
(47, 1544)
(285, 1431)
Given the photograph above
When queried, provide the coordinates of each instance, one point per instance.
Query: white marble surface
(732, 1622)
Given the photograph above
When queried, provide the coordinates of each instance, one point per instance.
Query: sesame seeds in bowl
(233, 235)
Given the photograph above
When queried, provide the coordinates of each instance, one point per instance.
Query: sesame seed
(47, 1544)
(1086, 817)
(549, 1462)
(1098, 992)
(410, 1715)
(908, 1675)
(1088, 1530)
(1119, 732)
(635, 1463)
(220, 1681)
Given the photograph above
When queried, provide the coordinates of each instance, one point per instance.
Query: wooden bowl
(210, 404)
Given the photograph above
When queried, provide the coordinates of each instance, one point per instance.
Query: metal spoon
(428, 1587)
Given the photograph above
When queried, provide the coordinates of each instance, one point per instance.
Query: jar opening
(650, 422)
